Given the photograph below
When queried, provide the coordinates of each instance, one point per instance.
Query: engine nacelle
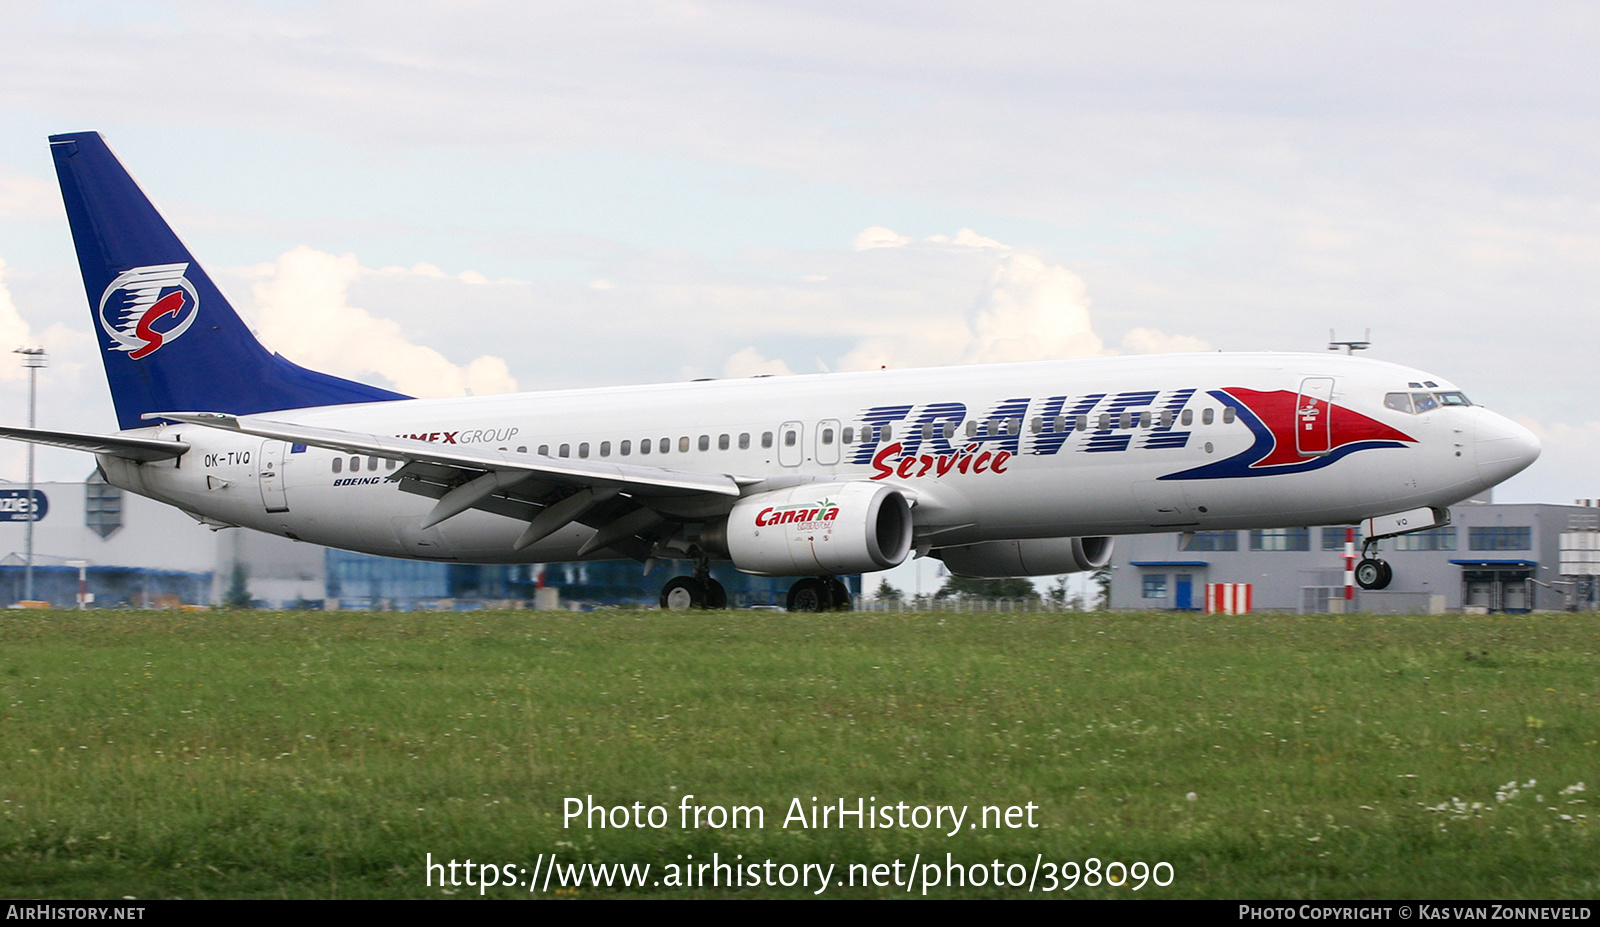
(1032, 557)
(820, 529)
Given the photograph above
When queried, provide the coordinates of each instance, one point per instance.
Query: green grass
(165, 754)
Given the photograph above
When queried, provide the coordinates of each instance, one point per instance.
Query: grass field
(167, 754)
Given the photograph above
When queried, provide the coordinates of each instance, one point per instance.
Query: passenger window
(583, 449)
(1144, 419)
(972, 428)
(355, 464)
(949, 430)
(566, 450)
(1207, 416)
(338, 464)
(644, 446)
(788, 438)
(683, 444)
(605, 448)
(372, 463)
(722, 442)
(522, 450)
(665, 445)
(625, 448)
(766, 439)
(927, 431)
(1037, 424)
(544, 450)
(1227, 415)
(848, 435)
(1166, 418)
(1105, 421)
(390, 464)
(885, 432)
(1400, 402)
(744, 440)
(1127, 420)
(827, 436)
(1188, 417)
(1083, 423)
(705, 442)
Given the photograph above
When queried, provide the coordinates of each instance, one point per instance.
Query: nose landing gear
(1372, 573)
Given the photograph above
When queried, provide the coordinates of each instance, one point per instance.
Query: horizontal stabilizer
(576, 472)
(140, 449)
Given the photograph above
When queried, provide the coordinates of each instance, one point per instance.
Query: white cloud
(879, 237)
(302, 307)
(750, 363)
(1151, 341)
(977, 301)
(14, 332)
(26, 196)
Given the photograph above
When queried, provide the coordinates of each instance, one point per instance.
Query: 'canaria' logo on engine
(140, 298)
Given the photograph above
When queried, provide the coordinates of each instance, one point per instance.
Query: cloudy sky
(444, 197)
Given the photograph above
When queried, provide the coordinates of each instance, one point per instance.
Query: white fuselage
(1044, 457)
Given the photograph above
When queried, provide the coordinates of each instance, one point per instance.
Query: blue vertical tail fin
(168, 337)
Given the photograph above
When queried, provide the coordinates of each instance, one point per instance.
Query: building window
(1281, 539)
(1155, 585)
(1432, 539)
(102, 505)
(1500, 537)
(1333, 539)
(1211, 540)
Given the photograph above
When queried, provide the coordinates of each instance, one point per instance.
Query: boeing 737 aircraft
(1007, 470)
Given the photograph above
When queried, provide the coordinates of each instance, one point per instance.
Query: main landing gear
(682, 593)
(818, 594)
(1372, 573)
(811, 594)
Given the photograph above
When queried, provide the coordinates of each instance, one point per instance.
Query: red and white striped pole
(1349, 564)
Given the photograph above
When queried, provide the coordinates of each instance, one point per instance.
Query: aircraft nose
(1503, 449)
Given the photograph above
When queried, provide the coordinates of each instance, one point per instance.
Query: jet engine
(1032, 557)
(820, 529)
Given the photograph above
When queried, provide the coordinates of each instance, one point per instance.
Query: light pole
(32, 359)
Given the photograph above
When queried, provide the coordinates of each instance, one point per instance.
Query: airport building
(1490, 558)
(128, 551)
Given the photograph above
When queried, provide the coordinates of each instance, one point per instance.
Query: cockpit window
(1419, 403)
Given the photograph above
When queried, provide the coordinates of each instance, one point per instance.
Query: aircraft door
(1313, 432)
(791, 444)
(270, 475)
(828, 442)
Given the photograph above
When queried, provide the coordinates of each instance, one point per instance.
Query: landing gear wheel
(716, 596)
(1373, 574)
(682, 593)
(841, 594)
(810, 595)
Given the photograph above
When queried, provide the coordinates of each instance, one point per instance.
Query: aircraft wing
(590, 474)
(140, 449)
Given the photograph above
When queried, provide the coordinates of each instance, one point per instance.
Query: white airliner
(1005, 470)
